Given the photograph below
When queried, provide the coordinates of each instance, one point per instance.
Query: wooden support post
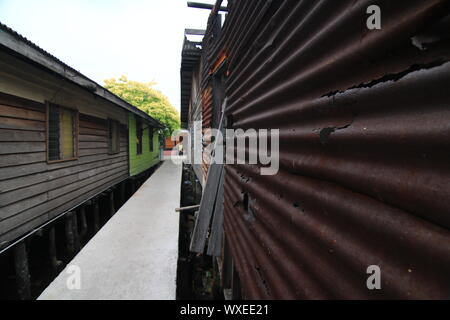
(122, 193)
(195, 32)
(52, 250)
(199, 5)
(131, 182)
(70, 237)
(96, 215)
(112, 209)
(22, 271)
(84, 226)
(76, 236)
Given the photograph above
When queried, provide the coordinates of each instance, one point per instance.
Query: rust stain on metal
(364, 160)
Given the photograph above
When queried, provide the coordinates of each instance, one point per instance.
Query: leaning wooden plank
(215, 239)
(211, 187)
(198, 239)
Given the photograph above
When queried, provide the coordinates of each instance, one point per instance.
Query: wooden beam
(203, 220)
(208, 6)
(195, 32)
(216, 236)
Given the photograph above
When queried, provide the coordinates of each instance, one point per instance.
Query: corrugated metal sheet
(190, 57)
(207, 115)
(364, 135)
(207, 107)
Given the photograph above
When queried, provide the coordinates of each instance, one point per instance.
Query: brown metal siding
(33, 191)
(364, 134)
(207, 106)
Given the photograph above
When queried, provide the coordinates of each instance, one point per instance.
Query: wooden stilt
(96, 215)
(112, 209)
(133, 185)
(122, 193)
(52, 250)
(22, 271)
(83, 221)
(70, 237)
(76, 236)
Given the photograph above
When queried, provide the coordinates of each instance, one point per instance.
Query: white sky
(102, 39)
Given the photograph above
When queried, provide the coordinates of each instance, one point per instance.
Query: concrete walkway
(134, 256)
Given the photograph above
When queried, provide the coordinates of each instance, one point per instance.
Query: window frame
(75, 131)
(139, 136)
(150, 138)
(116, 124)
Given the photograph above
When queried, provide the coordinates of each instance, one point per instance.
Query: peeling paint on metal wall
(364, 160)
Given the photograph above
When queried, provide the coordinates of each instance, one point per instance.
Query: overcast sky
(102, 39)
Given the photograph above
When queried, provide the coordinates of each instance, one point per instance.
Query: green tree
(145, 97)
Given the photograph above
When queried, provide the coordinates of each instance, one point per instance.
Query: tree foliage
(146, 98)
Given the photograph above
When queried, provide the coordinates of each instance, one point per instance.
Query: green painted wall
(141, 162)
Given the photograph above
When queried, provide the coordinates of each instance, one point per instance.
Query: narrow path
(134, 256)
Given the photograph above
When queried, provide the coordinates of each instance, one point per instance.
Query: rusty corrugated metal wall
(364, 119)
(207, 115)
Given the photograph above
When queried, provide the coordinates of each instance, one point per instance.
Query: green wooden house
(144, 151)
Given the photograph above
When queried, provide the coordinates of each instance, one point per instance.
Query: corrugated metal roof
(190, 56)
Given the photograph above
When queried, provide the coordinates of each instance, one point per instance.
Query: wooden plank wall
(32, 191)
